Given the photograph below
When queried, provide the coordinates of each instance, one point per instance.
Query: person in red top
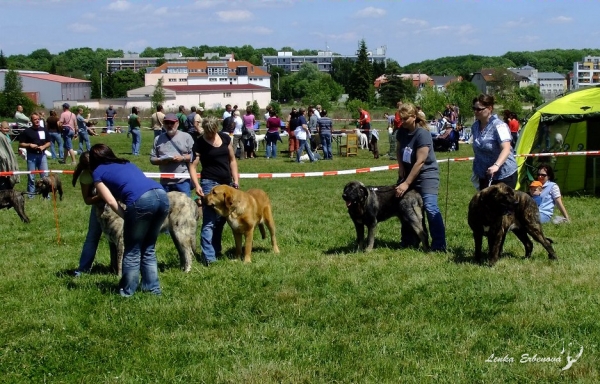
(513, 125)
(364, 120)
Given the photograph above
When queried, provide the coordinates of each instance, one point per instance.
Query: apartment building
(586, 72)
(322, 59)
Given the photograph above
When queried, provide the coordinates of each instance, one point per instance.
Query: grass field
(317, 312)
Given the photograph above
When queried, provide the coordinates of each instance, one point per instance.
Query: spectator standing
(513, 125)
(67, 124)
(238, 125)
(147, 206)
(227, 113)
(325, 129)
(134, 129)
(272, 135)
(317, 111)
(158, 118)
(494, 158)
(214, 152)
(193, 123)
(172, 152)
(364, 121)
(550, 196)
(292, 123)
(182, 117)
(312, 128)
(418, 170)
(21, 119)
(249, 122)
(55, 137)
(110, 115)
(302, 134)
(35, 140)
(82, 131)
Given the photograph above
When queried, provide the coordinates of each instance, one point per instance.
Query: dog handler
(147, 206)
(35, 140)
(418, 169)
(215, 152)
(494, 157)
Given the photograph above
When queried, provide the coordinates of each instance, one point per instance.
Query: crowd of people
(188, 144)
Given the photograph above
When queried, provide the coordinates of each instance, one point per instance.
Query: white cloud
(206, 4)
(348, 36)
(529, 38)
(561, 20)
(228, 16)
(257, 30)
(417, 22)
(370, 12)
(82, 28)
(161, 11)
(119, 5)
(522, 22)
(136, 45)
(88, 16)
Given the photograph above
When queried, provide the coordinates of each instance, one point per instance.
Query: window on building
(172, 80)
(222, 79)
(182, 80)
(226, 94)
(212, 79)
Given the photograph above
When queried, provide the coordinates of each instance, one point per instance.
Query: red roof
(215, 87)
(55, 78)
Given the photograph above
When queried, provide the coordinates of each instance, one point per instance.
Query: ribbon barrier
(314, 174)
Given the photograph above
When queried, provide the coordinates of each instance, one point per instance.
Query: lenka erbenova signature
(527, 358)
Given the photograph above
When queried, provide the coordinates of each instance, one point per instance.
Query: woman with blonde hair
(418, 170)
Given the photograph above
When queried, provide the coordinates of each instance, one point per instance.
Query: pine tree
(13, 95)
(3, 61)
(361, 83)
(158, 96)
(95, 78)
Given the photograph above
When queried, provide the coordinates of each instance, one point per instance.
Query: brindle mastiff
(9, 198)
(370, 205)
(49, 184)
(498, 209)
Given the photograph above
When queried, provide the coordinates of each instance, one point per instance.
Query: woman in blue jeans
(418, 169)
(147, 207)
(134, 130)
(92, 239)
(214, 151)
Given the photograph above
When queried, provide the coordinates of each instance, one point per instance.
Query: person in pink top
(68, 122)
(249, 122)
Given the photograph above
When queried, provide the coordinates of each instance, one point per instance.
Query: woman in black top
(214, 151)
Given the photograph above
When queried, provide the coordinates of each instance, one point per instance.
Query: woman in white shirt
(237, 135)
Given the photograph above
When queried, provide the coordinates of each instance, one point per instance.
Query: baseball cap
(66, 105)
(535, 184)
(200, 109)
(170, 117)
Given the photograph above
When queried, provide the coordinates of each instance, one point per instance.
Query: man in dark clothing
(35, 140)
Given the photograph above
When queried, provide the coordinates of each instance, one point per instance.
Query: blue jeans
(35, 161)
(436, 222)
(136, 140)
(303, 144)
(90, 245)
(68, 140)
(271, 141)
(326, 143)
(110, 123)
(184, 187)
(84, 136)
(143, 220)
(55, 137)
(212, 226)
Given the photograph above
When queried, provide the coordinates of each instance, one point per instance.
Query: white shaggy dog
(362, 139)
(257, 140)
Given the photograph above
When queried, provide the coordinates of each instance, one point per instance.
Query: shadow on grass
(462, 255)
(381, 244)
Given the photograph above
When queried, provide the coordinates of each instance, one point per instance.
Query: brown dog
(243, 211)
(498, 209)
(9, 198)
(49, 184)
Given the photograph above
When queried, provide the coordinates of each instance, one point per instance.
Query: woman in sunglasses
(494, 158)
(550, 196)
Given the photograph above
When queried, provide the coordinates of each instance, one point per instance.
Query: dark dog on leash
(9, 198)
(368, 206)
(47, 185)
(498, 209)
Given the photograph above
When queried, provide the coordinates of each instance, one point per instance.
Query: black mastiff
(9, 198)
(498, 209)
(370, 205)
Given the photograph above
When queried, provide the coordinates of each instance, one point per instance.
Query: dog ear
(363, 193)
(228, 199)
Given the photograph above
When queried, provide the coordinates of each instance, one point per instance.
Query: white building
(586, 72)
(45, 88)
(552, 84)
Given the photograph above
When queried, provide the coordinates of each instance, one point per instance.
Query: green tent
(570, 123)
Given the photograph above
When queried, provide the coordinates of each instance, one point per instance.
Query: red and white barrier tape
(310, 174)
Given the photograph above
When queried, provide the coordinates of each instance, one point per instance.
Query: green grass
(317, 312)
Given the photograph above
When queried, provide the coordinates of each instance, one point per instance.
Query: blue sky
(412, 30)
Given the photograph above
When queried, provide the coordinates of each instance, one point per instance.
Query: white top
(238, 125)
